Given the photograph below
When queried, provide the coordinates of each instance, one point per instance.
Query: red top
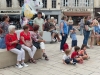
(65, 47)
(26, 36)
(74, 55)
(10, 38)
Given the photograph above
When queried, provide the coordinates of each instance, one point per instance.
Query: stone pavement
(55, 67)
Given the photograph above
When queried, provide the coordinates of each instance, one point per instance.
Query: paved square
(55, 67)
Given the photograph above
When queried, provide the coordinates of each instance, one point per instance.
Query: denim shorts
(74, 43)
(2, 43)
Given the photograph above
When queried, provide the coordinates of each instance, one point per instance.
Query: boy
(66, 57)
(73, 37)
(75, 56)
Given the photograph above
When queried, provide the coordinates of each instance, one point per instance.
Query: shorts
(67, 61)
(74, 60)
(74, 43)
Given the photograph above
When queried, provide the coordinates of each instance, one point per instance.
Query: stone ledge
(8, 58)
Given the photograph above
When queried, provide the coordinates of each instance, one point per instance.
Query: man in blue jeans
(86, 31)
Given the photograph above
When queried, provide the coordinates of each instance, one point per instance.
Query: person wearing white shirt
(67, 59)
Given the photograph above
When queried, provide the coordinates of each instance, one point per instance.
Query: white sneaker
(24, 65)
(19, 66)
(53, 40)
(62, 51)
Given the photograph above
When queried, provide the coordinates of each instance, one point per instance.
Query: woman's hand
(43, 41)
(14, 42)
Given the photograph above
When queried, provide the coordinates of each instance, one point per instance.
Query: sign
(8, 11)
(76, 10)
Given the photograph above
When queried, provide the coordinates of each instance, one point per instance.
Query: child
(92, 35)
(74, 38)
(75, 56)
(83, 53)
(66, 57)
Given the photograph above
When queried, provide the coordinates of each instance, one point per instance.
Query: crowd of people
(31, 38)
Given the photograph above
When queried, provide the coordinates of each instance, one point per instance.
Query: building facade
(11, 8)
(97, 8)
(77, 8)
(52, 8)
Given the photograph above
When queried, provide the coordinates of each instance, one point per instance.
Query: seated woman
(96, 30)
(26, 42)
(38, 41)
(51, 28)
(11, 43)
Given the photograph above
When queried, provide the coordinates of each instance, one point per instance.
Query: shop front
(53, 13)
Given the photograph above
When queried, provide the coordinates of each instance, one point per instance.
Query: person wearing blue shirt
(97, 35)
(73, 37)
(63, 32)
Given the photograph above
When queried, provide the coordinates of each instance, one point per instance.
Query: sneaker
(74, 63)
(24, 65)
(88, 47)
(62, 51)
(19, 66)
(53, 40)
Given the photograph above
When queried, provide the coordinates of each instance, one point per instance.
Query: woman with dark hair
(4, 30)
(38, 41)
(26, 42)
(64, 32)
(86, 31)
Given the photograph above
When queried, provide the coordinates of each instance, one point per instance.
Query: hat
(65, 47)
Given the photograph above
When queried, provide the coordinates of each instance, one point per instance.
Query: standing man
(39, 21)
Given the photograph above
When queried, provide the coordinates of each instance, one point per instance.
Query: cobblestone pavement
(55, 67)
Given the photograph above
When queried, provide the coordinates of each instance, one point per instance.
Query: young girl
(83, 53)
(76, 57)
(92, 35)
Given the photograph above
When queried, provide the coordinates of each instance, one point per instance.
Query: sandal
(32, 61)
(45, 56)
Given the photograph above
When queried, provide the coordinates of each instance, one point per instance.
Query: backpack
(65, 46)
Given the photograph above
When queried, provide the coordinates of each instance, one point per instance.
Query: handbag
(36, 44)
(18, 46)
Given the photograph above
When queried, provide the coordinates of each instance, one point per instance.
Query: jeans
(81, 30)
(86, 37)
(70, 27)
(2, 43)
(63, 41)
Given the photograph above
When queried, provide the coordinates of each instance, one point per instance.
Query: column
(3, 4)
(15, 3)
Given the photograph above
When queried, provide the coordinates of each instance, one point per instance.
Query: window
(65, 2)
(87, 2)
(9, 3)
(76, 2)
(44, 3)
(53, 3)
(21, 2)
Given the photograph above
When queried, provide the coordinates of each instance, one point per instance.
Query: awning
(77, 13)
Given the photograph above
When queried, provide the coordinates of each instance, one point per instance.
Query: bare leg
(58, 37)
(91, 43)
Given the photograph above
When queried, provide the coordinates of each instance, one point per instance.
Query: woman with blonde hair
(96, 30)
(53, 23)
